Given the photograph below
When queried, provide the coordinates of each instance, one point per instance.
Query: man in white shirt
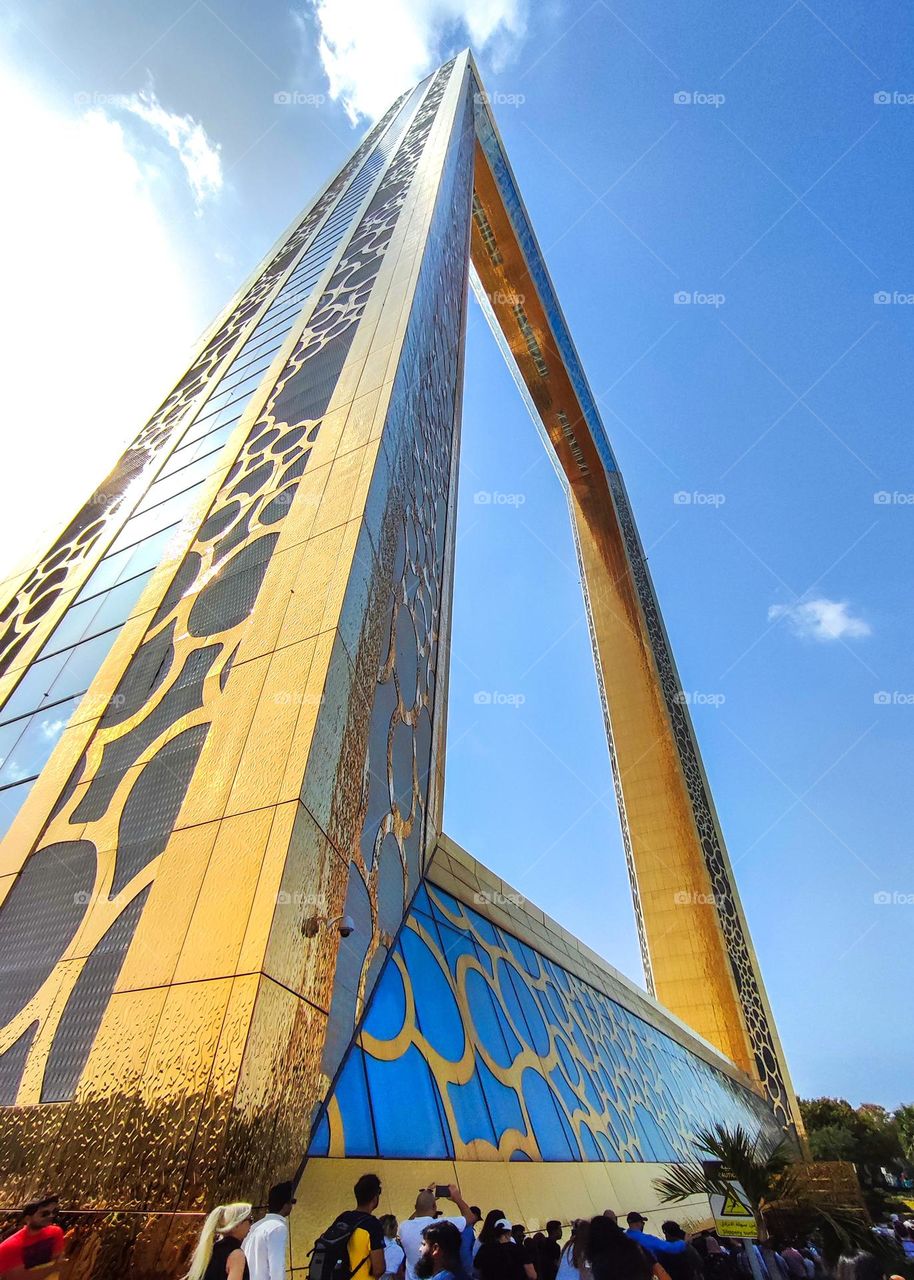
(266, 1244)
(426, 1213)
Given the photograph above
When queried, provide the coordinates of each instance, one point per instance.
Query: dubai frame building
(223, 697)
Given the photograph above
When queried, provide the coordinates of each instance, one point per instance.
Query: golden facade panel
(209, 875)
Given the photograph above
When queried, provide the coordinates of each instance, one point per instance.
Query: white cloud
(371, 51)
(101, 306)
(186, 136)
(821, 619)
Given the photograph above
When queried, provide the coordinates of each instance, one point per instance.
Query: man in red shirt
(38, 1241)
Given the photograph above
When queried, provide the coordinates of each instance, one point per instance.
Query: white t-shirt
(265, 1247)
(411, 1238)
(393, 1256)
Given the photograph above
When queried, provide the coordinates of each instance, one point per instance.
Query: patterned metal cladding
(391, 619)
(505, 1055)
(65, 562)
(758, 1027)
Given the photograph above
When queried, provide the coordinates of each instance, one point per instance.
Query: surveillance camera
(346, 926)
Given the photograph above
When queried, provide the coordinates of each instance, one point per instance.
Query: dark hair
(518, 1231)
(446, 1236)
(672, 1228)
(279, 1196)
(367, 1187)
(578, 1244)
(41, 1203)
(488, 1234)
(474, 1208)
(552, 1223)
(859, 1266)
(615, 1256)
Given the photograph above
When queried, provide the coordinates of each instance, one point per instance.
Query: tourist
(468, 1242)
(393, 1250)
(652, 1244)
(219, 1255)
(498, 1256)
(681, 1266)
(267, 1243)
(439, 1251)
(613, 1254)
(796, 1265)
(354, 1244)
(573, 1264)
(39, 1240)
(859, 1266)
(548, 1250)
(426, 1212)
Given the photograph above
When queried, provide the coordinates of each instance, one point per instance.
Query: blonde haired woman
(218, 1254)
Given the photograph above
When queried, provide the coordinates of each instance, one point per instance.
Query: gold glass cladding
(29, 615)
(207, 1062)
(694, 942)
(271, 745)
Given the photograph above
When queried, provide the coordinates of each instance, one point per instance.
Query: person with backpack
(353, 1247)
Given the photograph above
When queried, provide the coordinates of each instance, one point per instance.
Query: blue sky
(154, 168)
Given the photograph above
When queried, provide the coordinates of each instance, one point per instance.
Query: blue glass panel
(502, 1101)
(524, 956)
(470, 1111)
(608, 1150)
(492, 1029)
(567, 1061)
(455, 944)
(11, 802)
(519, 1155)
(486, 931)
(421, 902)
(37, 740)
(544, 1117)
(437, 1013)
(448, 902)
(588, 1144)
(405, 1131)
(388, 1004)
(565, 1091)
(352, 1096)
(320, 1143)
(32, 688)
(524, 1010)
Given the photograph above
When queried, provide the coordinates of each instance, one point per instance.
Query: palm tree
(767, 1174)
(763, 1171)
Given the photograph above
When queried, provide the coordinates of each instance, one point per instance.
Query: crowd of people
(465, 1245)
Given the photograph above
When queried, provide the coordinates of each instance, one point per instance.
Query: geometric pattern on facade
(164, 682)
(256, 538)
(188, 430)
(505, 1055)
(58, 568)
(768, 1066)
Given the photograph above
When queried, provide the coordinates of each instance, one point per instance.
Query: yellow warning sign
(732, 1215)
(734, 1207)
